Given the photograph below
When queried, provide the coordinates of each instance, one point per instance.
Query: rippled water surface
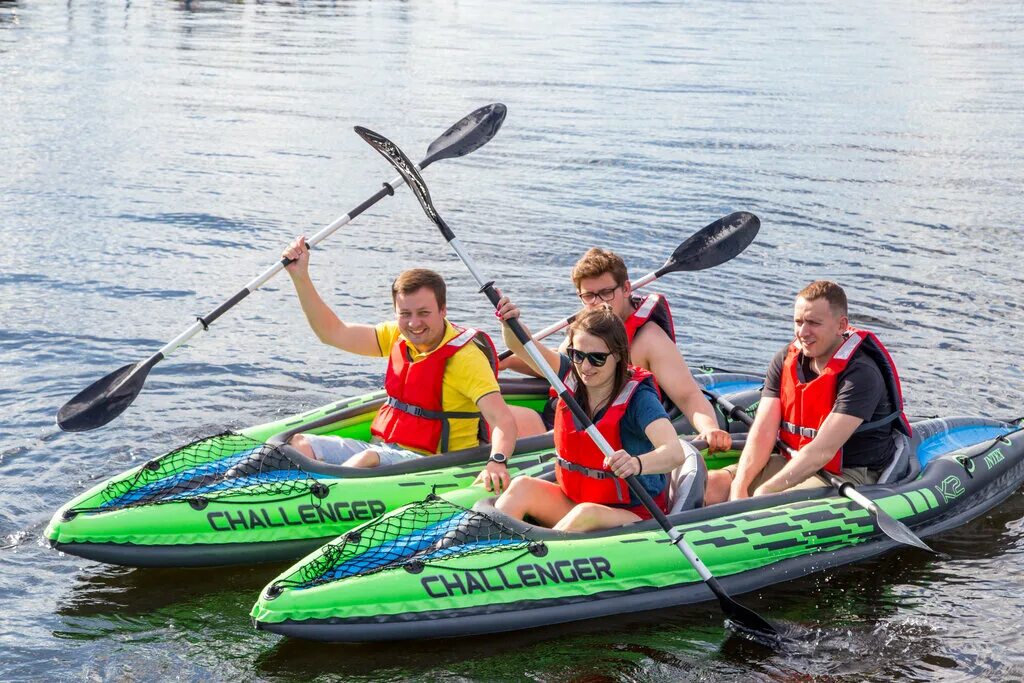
(156, 156)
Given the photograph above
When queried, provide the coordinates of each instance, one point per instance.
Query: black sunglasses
(596, 358)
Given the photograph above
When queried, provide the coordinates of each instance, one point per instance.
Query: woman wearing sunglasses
(623, 403)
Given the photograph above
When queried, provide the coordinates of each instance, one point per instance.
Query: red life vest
(579, 463)
(651, 308)
(412, 416)
(805, 405)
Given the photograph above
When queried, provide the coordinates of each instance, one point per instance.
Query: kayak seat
(904, 465)
(687, 482)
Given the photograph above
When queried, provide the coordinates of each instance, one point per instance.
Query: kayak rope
(227, 465)
(430, 533)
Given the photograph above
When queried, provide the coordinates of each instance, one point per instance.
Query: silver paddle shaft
(264, 277)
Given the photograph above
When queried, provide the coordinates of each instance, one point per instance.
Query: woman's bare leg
(593, 516)
(541, 500)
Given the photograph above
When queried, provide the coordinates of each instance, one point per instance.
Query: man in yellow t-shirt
(427, 355)
(468, 377)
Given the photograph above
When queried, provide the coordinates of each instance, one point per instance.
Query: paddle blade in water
(468, 135)
(752, 624)
(105, 399)
(714, 244)
(743, 618)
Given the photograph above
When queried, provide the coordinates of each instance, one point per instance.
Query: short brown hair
(828, 290)
(413, 280)
(595, 263)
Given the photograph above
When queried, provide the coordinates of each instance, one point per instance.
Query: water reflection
(848, 623)
(160, 156)
(107, 592)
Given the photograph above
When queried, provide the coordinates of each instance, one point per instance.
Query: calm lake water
(158, 155)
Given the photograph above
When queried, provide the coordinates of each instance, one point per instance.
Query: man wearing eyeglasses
(601, 278)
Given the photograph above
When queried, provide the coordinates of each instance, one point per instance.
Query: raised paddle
(710, 246)
(743, 617)
(105, 399)
(890, 526)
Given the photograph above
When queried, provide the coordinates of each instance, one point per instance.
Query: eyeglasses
(602, 294)
(596, 358)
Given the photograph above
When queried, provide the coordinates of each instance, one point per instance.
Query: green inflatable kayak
(239, 498)
(451, 566)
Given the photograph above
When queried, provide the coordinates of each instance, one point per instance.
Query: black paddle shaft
(744, 618)
(105, 399)
(711, 246)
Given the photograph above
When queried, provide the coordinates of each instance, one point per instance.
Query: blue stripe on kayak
(242, 482)
(465, 548)
(407, 546)
(735, 386)
(391, 551)
(214, 467)
(207, 469)
(957, 438)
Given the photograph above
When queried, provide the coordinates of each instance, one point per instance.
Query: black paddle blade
(714, 244)
(105, 399)
(397, 158)
(468, 135)
(743, 618)
(752, 625)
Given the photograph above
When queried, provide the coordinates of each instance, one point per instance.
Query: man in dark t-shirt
(818, 391)
(861, 393)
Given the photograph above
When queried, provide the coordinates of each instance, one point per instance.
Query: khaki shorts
(858, 476)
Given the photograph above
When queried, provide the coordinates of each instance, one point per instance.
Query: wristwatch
(499, 458)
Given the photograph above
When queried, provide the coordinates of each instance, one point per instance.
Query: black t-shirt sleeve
(860, 390)
(773, 378)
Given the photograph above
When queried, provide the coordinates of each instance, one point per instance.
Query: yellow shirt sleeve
(387, 334)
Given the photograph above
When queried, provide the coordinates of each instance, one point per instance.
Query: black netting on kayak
(431, 533)
(227, 465)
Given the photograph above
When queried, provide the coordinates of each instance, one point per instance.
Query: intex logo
(994, 458)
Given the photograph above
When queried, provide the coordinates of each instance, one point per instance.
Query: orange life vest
(412, 416)
(805, 405)
(579, 463)
(651, 308)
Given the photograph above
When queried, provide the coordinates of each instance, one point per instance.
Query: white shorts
(336, 450)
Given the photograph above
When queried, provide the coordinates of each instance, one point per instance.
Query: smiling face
(592, 376)
(591, 291)
(817, 328)
(420, 319)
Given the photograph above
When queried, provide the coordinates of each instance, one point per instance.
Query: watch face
(498, 457)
